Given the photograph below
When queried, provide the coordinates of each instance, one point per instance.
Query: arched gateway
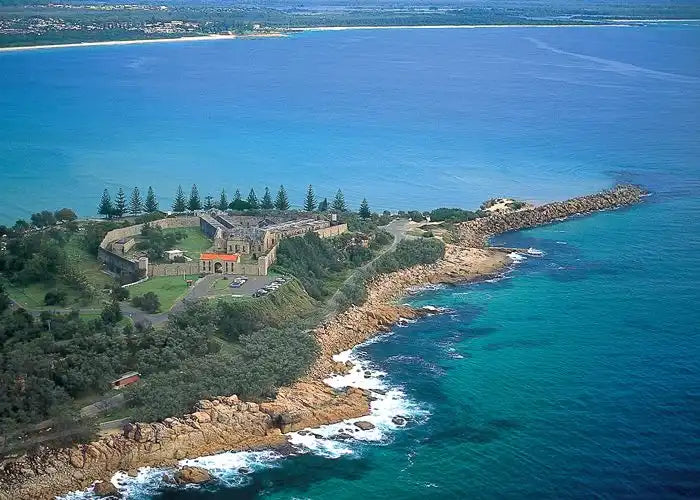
(217, 262)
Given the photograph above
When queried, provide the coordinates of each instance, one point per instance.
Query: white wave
(516, 257)
(534, 251)
(412, 290)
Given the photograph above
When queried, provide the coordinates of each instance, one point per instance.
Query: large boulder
(105, 489)
(192, 475)
(364, 425)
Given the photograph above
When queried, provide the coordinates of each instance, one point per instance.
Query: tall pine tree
(151, 204)
(223, 201)
(180, 203)
(364, 209)
(208, 202)
(120, 203)
(339, 202)
(106, 207)
(323, 206)
(237, 195)
(267, 200)
(194, 203)
(282, 201)
(135, 202)
(253, 199)
(310, 201)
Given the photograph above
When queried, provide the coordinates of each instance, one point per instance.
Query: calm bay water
(574, 376)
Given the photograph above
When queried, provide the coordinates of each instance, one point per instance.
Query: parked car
(235, 284)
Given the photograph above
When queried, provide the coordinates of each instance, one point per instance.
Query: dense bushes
(313, 261)
(453, 215)
(154, 241)
(231, 319)
(257, 367)
(409, 253)
(148, 302)
(45, 363)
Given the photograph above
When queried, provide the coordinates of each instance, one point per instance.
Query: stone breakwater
(477, 232)
(227, 423)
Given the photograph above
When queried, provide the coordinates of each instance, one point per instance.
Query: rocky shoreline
(226, 423)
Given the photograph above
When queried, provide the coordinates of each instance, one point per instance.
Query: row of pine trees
(136, 204)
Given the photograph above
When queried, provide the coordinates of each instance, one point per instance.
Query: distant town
(66, 23)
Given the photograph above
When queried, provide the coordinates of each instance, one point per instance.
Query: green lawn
(194, 244)
(89, 264)
(32, 296)
(168, 289)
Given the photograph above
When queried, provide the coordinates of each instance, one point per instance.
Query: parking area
(221, 285)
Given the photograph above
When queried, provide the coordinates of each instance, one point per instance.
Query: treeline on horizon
(127, 24)
(137, 205)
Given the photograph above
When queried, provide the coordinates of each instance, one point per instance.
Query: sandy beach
(616, 23)
(148, 40)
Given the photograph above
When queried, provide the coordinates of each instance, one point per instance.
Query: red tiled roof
(219, 256)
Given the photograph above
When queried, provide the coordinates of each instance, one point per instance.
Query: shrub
(148, 302)
(55, 298)
(452, 215)
(120, 293)
(111, 313)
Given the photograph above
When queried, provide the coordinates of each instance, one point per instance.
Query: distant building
(126, 379)
(173, 254)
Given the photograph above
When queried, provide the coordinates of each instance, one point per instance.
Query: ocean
(575, 374)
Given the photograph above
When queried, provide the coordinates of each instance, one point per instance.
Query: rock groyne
(476, 233)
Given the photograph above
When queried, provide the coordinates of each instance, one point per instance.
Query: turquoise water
(575, 375)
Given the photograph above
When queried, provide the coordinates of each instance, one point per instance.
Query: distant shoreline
(140, 41)
(615, 23)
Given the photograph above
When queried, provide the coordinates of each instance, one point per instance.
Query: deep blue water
(406, 118)
(575, 376)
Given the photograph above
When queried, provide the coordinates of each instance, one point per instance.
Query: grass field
(89, 264)
(32, 296)
(168, 289)
(194, 244)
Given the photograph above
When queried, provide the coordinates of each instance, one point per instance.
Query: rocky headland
(226, 423)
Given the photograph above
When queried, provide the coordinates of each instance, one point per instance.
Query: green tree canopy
(208, 202)
(223, 202)
(120, 203)
(323, 206)
(237, 195)
(180, 203)
(106, 207)
(339, 202)
(267, 203)
(253, 199)
(364, 209)
(282, 200)
(135, 202)
(310, 201)
(65, 215)
(194, 203)
(151, 204)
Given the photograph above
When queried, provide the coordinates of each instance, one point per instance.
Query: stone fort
(242, 244)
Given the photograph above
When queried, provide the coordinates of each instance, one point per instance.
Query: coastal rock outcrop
(192, 475)
(105, 489)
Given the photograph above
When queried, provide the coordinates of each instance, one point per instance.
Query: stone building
(253, 239)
